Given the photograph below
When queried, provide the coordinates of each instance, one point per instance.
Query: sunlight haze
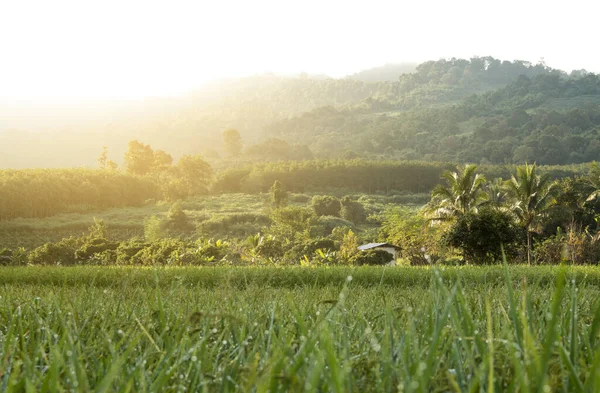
(134, 49)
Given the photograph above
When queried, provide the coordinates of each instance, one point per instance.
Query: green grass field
(515, 329)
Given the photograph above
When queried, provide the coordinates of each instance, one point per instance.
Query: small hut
(392, 249)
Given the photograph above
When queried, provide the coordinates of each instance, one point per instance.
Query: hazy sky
(133, 48)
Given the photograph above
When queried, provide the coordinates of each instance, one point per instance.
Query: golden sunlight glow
(135, 48)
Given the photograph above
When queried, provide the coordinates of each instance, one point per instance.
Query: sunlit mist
(128, 49)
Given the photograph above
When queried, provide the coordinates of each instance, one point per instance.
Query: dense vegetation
(530, 217)
(41, 193)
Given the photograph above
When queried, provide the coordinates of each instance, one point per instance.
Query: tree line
(150, 174)
(529, 217)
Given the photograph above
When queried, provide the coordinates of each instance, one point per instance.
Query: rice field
(514, 329)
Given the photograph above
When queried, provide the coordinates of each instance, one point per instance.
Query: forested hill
(447, 110)
(550, 118)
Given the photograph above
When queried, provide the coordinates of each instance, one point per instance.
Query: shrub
(329, 223)
(237, 224)
(575, 246)
(269, 247)
(159, 252)
(483, 235)
(92, 247)
(60, 253)
(127, 250)
(10, 257)
(293, 222)
(154, 229)
(352, 210)
(407, 228)
(372, 257)
(308, 248)
(177, 220)
(326, 205)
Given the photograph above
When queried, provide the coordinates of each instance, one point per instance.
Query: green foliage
(139, 158)
(10, 257)
(154, 229)
(45, 192)
(230, 180)
(532, 195)
(279, 194)
(91, 251)
(309, 248)
(349, 246)
(293, 222)
(372, 257)
(409, 229)
(485, 235)
(162, 252)
(575, 247)
(233, 225)
(177, 221)
(233, 142)
(326, 205)
(195, 173)
(60, 253)
(269, 247)
(329, 223)
(352, 210)
(463, 193)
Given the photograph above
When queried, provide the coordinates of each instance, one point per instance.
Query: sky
(123, 49)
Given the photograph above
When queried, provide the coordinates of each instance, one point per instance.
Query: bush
(329, 223)
(60, 253)
(483, 235)
(159, 253)
(237, 224)
(10, 257)
(299, 198)
(270, 248)
(326, 205)
(308, 248)
(409, 229)
(125, 252)
(372, 257)
(353, 211)
(576, 247)
(293, 222)
(93, 247)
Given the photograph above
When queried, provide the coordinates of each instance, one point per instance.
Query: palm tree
(532, 196)
(463, 193)
(593, 181)
(496, 194)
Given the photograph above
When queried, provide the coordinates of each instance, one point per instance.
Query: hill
(388, 72)
(444, 110)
